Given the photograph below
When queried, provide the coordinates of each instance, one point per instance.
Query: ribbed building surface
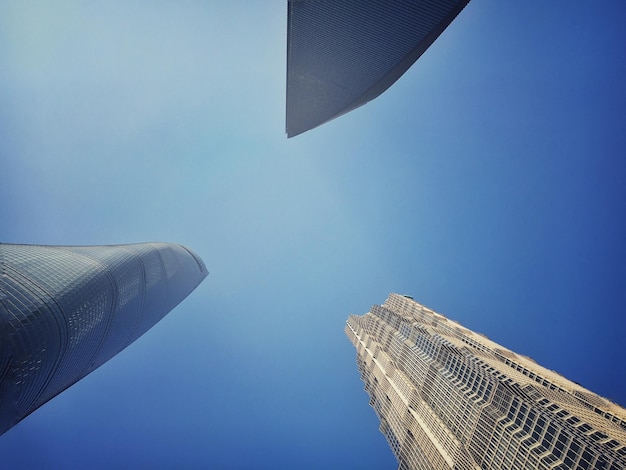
(343, 53)
(450, 398)
(65, 311)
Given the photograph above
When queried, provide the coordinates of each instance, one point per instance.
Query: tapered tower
(66, 310)
(451, 398)
(343, 53)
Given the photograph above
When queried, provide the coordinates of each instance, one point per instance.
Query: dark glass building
(66, 310)
(343, 53)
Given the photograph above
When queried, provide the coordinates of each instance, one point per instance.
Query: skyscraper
(66, 310)
(343, 53)
(451, 398)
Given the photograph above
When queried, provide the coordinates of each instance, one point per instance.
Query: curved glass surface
(66, 310)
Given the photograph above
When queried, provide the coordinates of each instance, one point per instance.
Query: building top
(344, 53)
(66, 310)
(522, 365)
(448, 397)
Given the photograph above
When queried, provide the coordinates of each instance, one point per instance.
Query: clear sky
(489, 183)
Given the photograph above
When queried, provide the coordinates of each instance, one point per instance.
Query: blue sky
(489, 183)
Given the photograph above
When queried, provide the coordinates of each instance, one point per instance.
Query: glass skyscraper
(343, 53)
(66, 310)
(448, 397)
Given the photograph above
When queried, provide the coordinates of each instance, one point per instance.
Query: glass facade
(448, 398)
(343, 53)
(65, 311)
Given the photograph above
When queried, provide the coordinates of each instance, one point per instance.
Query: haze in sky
(489, 183)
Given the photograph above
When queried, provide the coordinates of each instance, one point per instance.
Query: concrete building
(448, 397)
(66, 310)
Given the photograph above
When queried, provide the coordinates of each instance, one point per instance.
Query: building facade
(343, 53)
(448, 397)
(66, 310)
